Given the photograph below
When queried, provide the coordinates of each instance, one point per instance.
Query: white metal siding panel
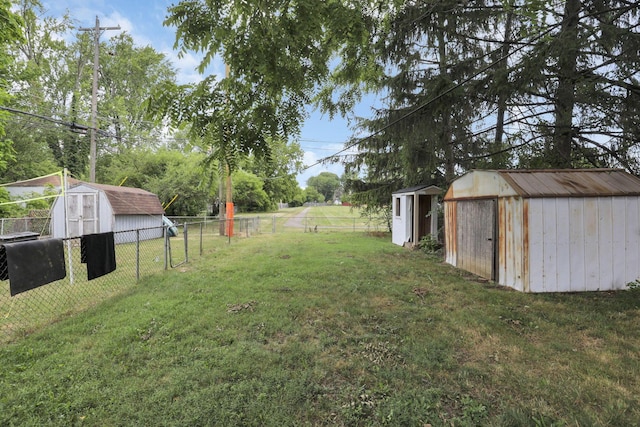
(397, 233)
(577, 245)
(620, 223)
(591, 249)
(136, 222)
(107, 221)
(536, 250)
(605, 243)
(549, 245)
(632, 239)
(563, 248)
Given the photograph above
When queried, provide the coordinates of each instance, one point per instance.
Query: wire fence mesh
(33, 224)
(139, 253)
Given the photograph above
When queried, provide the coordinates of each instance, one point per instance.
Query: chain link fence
(38, 225)
(139, 253)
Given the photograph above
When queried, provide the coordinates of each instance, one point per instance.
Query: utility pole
(94, 93)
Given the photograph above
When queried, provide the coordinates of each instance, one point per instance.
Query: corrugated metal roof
(129, 200)
(572, 182)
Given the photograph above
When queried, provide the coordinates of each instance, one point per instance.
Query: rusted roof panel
(572, 182)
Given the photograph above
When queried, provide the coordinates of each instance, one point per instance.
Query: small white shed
(415, 214)
(99, 208)
(546, 230)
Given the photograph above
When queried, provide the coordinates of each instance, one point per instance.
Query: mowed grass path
(329, 329)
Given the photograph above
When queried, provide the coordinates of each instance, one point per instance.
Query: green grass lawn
(329, 328)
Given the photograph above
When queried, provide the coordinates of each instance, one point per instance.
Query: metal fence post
(201, 232)
(186, 243)
(166, 249)
(137, 255)
(273, 227)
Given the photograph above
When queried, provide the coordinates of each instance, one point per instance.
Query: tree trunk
(447, 133)
(503, 90)
(565, 94)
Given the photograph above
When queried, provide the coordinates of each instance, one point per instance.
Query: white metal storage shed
(415, 214)
(99, 208)
(546, 230)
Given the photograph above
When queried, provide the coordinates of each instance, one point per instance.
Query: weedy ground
(329, 328)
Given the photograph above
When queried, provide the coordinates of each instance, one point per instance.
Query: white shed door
(82, 214)
(476, 236)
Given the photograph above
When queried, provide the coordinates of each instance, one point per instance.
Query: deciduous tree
(326, 184)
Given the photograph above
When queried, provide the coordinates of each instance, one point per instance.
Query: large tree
(48, 83)
(277, 52)
(52, 80)
(327, 183)
(278, 170)
(168, 173)
(128, 75)
(424, 132)
(500, 83)
(10, 32)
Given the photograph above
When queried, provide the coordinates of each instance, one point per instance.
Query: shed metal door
(476, 236)
(82, 214)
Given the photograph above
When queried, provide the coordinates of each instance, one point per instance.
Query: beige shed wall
(511, 243)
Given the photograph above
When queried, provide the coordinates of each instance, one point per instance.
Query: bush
(429, 245)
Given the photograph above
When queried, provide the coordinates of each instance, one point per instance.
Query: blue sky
(143, 20)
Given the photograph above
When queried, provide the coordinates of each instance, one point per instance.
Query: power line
(76, 127)
(94, 93)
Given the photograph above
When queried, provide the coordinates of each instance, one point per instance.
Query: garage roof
(572, 182)
(129, 200)
(536, 183)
